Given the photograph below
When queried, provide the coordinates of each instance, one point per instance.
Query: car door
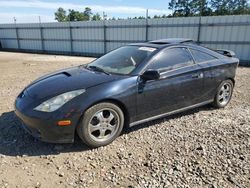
(179, 86)
(211, 69)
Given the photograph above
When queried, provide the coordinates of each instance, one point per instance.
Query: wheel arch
(226, 78)
(232, 79)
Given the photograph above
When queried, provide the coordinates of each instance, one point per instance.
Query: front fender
(123, 91)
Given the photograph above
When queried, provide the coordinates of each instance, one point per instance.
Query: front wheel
(101, 124)
(224, 94)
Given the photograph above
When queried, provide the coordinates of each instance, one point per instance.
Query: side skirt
(170, 113)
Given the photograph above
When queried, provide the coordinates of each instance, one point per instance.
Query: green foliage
(160, 16)
(190, 8)
(180, 8)
(96, 17)
(230, 7)
(113, 18)
(208, 7)
(61, 15)
(139, 17)
(87, 13)
(75, 16)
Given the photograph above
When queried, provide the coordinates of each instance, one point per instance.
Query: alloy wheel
(225, 93)
(103, 125)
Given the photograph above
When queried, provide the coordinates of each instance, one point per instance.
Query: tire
(223, 94)
(101, 124)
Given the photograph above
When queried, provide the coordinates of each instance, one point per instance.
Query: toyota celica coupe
(131, 85)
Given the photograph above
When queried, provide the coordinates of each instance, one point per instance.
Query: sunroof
(171, 41)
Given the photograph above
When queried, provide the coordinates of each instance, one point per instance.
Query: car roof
(163, 43)
(173, 42)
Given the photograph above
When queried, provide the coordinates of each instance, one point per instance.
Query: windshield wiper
(98, 69)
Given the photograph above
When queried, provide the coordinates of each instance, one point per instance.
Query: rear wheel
(101, 124)
(224, 94)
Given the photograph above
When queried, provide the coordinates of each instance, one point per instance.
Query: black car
(128, 86)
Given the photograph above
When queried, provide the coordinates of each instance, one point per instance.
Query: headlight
(56, 102)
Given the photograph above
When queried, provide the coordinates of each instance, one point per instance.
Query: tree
(201, 8)
(87, 13)
(221, 7)
(179, 8)
(96, 17)
(113, 18)
(239, 7)
(172, 5)
(75, 16)
(208, 7)
(230, 7)
(164, 16)
(156, 16)
(183, 8)
(190, 8)
(60, 15)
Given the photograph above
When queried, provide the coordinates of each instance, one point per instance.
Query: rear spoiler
(227, 53)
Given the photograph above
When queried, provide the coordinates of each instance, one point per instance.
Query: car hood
(67, 80)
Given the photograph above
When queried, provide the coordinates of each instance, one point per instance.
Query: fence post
(146, 27)
(71, 39)
(104, 36)
(41, 36)
(17, 37)
(199, 31)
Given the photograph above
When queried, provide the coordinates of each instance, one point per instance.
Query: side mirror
(150, 75)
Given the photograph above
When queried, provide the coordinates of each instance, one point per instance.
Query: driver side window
(172, 58)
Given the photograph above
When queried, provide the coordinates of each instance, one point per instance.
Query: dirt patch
(199, 148)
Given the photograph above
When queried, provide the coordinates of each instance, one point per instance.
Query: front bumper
(46, 131)
(43, 126)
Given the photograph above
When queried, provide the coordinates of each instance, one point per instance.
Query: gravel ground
(199, 148)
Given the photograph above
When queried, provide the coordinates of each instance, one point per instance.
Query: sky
(28, 11)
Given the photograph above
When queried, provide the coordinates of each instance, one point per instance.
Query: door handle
(198, 75)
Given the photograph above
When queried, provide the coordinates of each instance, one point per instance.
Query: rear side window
(172, 58)
(201, 56)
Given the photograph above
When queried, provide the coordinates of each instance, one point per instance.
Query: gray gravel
(203, 147)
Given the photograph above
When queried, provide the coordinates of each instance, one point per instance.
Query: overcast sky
(30, 10)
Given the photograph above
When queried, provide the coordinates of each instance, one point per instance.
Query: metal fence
(98, 37)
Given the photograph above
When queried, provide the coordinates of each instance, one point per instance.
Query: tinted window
(123, 60)
(172, 58)
(201, 56)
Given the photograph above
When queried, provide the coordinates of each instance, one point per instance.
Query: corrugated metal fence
(98, 37)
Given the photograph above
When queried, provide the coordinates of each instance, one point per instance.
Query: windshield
(122, 60)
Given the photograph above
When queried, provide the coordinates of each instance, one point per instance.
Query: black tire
(93, 114)
(218, 101)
